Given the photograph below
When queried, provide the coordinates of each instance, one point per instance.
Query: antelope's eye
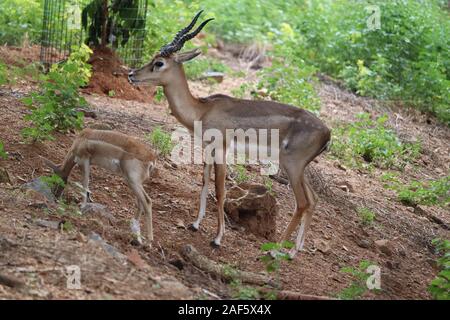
(159, 64)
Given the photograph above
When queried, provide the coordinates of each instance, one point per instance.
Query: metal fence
(68, 23)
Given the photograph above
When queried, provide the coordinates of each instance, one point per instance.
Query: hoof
(214, 244)
(292, 254)
(136, 243)
(193, 228)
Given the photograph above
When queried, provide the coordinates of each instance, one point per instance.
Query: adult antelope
(117, 153)
(302, 136)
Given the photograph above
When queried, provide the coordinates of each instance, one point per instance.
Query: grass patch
(161, 140)
(366, 143)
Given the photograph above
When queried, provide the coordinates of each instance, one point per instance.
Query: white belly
(109, 164)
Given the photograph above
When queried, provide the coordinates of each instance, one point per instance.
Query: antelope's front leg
(220, 171)
(85, 171)
(134, 224)
(203, 196)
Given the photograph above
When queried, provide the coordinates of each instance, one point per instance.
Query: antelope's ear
(183, 57)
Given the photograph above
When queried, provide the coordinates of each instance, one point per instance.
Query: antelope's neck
(185, 107)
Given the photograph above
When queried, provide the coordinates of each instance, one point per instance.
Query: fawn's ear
(183, 57)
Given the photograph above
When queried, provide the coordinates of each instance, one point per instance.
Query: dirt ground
(37, 256)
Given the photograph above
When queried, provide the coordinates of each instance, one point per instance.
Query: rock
(384, 246)
(91, 208)
(322, 246)
(169, 286)
(212, 75)
(135, 258)
(363, 243)
(4, 176)
(345, 186)
(254, 207)
(392, 265)
(95, 238)
(48, 224)
(180, 224)
(40, 187)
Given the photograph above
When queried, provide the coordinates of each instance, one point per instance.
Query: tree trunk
(104, 40)
(204, 263)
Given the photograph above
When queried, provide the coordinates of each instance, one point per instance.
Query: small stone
(48, 224)
(92, 208)
(384, 246)
(364, 244)
(4, 176)
(212, 75)
(322, 246)
(135, 258)
(39, 191)
(180, 224)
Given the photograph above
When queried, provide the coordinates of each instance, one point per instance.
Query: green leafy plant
(405, 60)
(273, 256)
(358, 286)
(54, 182)
(68, 209)
(3, 154)
(369, 142)
(103, 18)
(268, 183)
(198, 67)
(290, 80)
(440, 286)
(240, 291)
(3, 74)
(161, 140)
(367, 216)
(241, 174)
(159, 94)
(54, 107)
(20, 19)
(432, 192)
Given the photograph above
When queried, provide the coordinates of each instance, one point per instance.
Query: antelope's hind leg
(85, 172)
(220, 172)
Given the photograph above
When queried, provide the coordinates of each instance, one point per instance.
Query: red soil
(110, 78)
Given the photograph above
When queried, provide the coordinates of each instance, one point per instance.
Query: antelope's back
(125, 142)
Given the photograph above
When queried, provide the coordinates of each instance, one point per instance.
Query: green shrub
(367, 216)
(197, 68)
(161, 140)
(359, 285)
(54, 107)
(289, 80)
(3, 74)
(164, 20)
(372, 142)
(440, 286)
(3, 154)
(20, 17)
(407, 59)
(241, 174)
(432, 192)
